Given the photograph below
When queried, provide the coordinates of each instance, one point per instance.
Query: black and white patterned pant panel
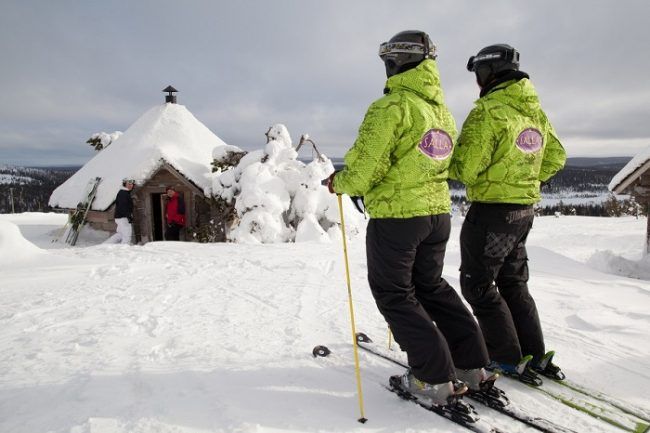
(499, 245)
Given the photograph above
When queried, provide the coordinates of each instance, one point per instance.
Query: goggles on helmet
(428, 50)
(507, 55)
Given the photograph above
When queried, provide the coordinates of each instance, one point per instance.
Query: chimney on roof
(170, 97)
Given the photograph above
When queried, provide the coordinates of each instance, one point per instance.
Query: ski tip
(362, 338)
(321, 351)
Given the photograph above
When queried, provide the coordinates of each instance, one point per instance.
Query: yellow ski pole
(354, 334)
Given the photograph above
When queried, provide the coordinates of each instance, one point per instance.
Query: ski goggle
(407, 48)
(511, 56)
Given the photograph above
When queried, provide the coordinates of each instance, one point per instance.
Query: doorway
(157, 216)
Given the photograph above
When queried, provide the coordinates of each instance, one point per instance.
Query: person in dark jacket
(174, 214)
(123, 214)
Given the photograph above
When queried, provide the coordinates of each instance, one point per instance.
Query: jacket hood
(424, 80)
(521, 95)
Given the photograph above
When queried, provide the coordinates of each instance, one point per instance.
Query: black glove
(329, 182)
(359, 204)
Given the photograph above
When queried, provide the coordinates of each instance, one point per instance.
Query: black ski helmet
(405, 51)
(493, 60)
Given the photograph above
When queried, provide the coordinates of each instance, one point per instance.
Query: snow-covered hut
(167, 145)
(634, 179)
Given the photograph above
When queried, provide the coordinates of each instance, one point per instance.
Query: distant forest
(580, 179)
(29, 189)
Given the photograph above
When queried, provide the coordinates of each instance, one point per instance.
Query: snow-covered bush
(278, 198)
(101, 140)
(225, 157)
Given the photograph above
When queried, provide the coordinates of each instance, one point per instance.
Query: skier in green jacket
(506, 149)
(399, 164)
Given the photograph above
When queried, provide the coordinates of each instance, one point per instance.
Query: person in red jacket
(174, 214)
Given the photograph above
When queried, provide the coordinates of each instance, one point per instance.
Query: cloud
(242, 66)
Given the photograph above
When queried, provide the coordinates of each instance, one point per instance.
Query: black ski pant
(494, 277)
(173, 232)
(405, 261)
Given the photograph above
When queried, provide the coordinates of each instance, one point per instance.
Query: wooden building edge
(637, 184)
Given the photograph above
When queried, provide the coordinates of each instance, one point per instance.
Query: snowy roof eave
(618, 186)
(205, 190)
(163, 163)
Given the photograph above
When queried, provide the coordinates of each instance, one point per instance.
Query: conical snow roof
(166, 133)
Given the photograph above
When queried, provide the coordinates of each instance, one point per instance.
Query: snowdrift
(14, 248)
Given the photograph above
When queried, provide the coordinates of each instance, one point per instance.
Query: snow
(105, 138)
(571, 199)
(166, 133)
(187, 337)
(6, 179)
(14, 248)
(278, 198)
(639, 160)
(568, 197)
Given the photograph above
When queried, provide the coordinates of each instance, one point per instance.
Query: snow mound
(14, 247)
(617, 265)
(35, 218)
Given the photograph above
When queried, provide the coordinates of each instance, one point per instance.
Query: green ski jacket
(400, 159)
(507, 146)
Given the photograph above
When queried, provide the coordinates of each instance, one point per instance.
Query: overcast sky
(73, 68)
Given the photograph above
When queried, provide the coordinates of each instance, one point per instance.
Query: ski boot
(477, 379)
(445, 398)
(481, 387)
(520, 371)
(441, 394)
(545, 367)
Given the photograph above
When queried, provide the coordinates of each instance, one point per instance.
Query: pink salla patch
(529, 140)
(436, 144)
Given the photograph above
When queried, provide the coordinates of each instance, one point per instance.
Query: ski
(593, 406)
(458, 412)
(618, 404)
(621, 405)
(591, 403)
(78, 218)
(494, 398)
